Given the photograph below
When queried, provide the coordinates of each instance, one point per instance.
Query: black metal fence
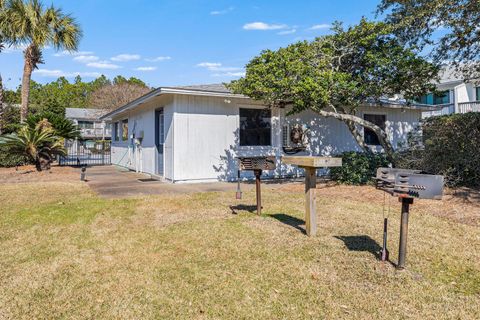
(87, 152)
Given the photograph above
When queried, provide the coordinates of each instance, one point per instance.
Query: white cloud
(86, 59)
(126, 57)
(146, 68)
(264, 26)
(220, 12)
(216, 66)
(59, 73)
(229, 74)
(209, 65)
(72, 53)
(103, 65)
(286, 32)
(320, 26)
(157, 59)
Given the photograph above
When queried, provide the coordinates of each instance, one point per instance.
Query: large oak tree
(337, 73)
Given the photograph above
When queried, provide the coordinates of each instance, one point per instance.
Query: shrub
(358, 167)
(40, 145)
(61, 126)
(8, 159)
(452, 148)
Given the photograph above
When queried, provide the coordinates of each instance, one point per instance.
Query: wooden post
(258, 173)
(402, 251)
(310, 201)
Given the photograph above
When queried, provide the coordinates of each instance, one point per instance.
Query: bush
(358, 167)
(8, 159)
(452, 148)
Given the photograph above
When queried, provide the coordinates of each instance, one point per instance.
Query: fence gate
(88, 152)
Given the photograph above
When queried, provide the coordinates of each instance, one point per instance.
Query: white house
(455, 95)
(87, 121)
(195, 133)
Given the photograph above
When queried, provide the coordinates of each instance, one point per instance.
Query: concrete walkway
(114, 182)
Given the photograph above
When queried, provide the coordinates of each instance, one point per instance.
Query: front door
(159, 139)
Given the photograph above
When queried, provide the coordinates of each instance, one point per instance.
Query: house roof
(83, 113)
(219, 90)
(213, 90)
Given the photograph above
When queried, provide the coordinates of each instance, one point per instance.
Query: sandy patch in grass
(30, 174)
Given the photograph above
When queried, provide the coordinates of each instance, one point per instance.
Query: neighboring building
(87, 120)
(456, 96)
(195, 133)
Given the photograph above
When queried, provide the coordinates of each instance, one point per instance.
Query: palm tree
(30, 24)
(39, 144)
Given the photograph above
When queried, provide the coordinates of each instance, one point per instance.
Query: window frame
(367, 131)
(116, 131)
(241, 141)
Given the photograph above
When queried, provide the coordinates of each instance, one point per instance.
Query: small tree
(62, 127)
(39, 144)
(112, 96)
(337, 73)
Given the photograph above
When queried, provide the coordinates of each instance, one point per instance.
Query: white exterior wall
(206, 136)
(143, 158)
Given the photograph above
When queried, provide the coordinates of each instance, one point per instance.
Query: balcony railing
(464, 107)
(443, 109)
(95, 132)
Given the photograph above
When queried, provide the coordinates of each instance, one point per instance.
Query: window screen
(369, 135)
(255, 127)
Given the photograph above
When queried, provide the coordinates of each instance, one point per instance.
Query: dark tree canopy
(449, 29)
(335, 74)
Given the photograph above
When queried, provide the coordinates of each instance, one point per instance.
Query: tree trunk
(2, 110)
(28, 67)
(351, 120)
(43, 163)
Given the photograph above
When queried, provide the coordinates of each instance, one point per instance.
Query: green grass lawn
(66, 253)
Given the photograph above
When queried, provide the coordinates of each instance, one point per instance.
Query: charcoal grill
(257, 165)
(408, 185)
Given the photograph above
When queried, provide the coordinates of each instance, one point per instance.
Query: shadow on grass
(243, 207)
(291, 221)
(361, 243)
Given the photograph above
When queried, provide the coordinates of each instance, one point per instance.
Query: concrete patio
(115, 182)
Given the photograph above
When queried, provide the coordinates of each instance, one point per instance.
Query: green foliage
(358, 167)
(39, 144)
(417, 24)
(8, 159)
(340, 70)
(61, 126)
(452, 149)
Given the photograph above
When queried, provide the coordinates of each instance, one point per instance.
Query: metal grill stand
(402, 249)
(257, 165)
(258, 174)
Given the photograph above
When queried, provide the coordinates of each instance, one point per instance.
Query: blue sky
(173, 42)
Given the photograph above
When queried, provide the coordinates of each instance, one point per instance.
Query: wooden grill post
(310, 201)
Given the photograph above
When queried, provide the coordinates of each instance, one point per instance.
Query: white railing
(443, 109)
(96, 132)
(464, 107)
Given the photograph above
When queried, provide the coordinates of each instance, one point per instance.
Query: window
(368, 134)
(85, 124)
(125, 130)
(443, 97)
(477, 93)
(255, 127)
(159, 130)
(116, 131)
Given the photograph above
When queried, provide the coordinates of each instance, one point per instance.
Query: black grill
(409, 183)
(257, 163)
